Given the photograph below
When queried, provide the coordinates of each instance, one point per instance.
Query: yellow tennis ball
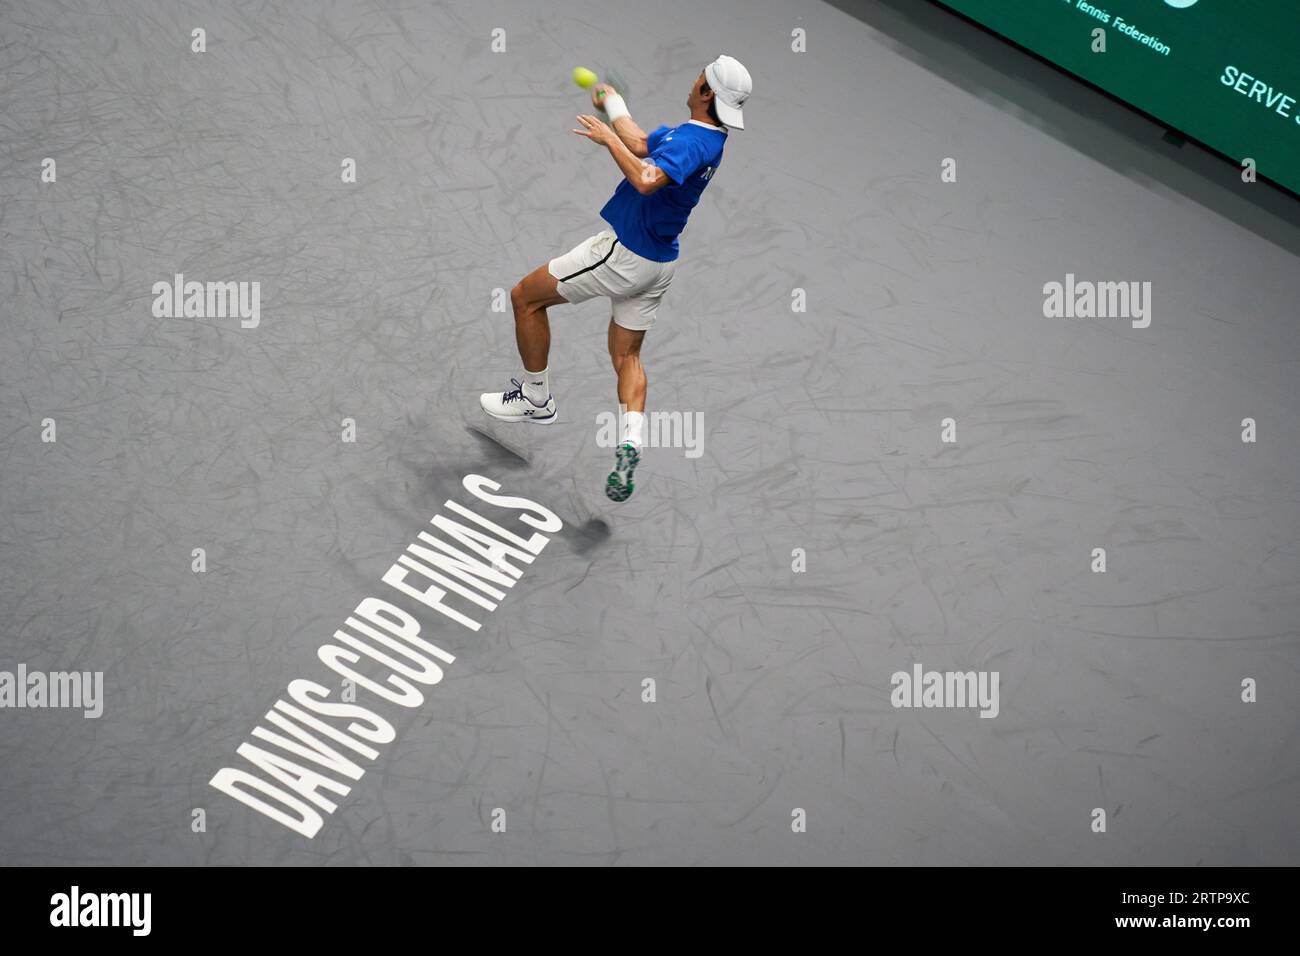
(584, 77)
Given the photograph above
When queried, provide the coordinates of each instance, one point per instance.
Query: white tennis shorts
(604, 266)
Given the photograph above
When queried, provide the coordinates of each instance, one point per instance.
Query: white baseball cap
(731, 86)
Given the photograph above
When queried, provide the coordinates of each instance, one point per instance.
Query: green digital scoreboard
(1224, 72)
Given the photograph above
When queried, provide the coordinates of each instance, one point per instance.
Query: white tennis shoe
(514, 406)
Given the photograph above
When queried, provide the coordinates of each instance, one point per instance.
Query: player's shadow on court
(589, 537)
(500, 453)
(585, 538)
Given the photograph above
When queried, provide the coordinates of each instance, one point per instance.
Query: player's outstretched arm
(606, 99)
(644, 176)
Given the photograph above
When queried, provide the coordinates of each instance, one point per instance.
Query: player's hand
(595, 130)
(598, 94)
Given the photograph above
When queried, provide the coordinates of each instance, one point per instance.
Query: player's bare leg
(530, 400)
(534, 294)
(625, 353)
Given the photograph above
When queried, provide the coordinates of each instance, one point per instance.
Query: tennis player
(632, 262)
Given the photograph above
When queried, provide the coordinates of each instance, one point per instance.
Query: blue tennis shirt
(649, 225)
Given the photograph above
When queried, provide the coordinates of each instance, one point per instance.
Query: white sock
(537, 387)
(633, 425)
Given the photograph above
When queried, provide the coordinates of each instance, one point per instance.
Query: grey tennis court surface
(822, 448)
